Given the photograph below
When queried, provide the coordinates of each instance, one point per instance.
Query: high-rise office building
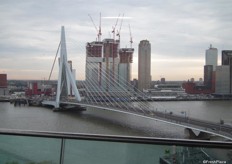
(227, 57)
(144, 73)
(211, 57)
(227, 61)
(211, 61)
(124, 68)
(208, 76)
(223, 80)
(224, 74)
(94, 53)
(107, 64)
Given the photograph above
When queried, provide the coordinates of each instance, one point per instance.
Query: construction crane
(98, 30)
(131, 41)
(118, 31)
(113, 31)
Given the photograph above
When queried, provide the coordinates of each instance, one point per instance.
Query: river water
(95, 121)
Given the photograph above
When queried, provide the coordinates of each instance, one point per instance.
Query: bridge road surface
(188, 122)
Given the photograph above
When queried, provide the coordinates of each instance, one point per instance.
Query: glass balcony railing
(29, 147)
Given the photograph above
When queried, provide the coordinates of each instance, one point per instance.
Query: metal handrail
(116, 138)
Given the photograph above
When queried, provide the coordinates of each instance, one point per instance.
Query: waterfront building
(107, 66)
(211, 57)
(38, 88)
(224, 74)
(94, 59)
(227, 57)
(211, 61)
(162, 80)
(223, 81)
(124, 68)
(208, 87)
(110, 62)
(208, 75)
(167, 90)
(3, 85)
(144, 72)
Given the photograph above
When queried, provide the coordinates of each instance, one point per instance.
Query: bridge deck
(170, 118)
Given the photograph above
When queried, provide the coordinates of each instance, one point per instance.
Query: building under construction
(107, 65)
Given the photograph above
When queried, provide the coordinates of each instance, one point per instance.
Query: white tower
(65, 79)
(211, 57)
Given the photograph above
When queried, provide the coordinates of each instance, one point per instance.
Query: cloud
(177, 30)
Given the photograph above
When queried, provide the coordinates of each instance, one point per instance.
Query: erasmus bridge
(118, 95)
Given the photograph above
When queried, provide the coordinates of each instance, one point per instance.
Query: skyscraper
(211, 61)
(124, 68)
(107, 65)
(144, 76)
(208, 76)
(224, 74)
(211, 56)
(227, 61)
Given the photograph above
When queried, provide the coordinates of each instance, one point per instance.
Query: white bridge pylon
(65, 78)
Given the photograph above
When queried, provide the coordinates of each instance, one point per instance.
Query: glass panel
(41, 150)
(29, 150)
(99, 152)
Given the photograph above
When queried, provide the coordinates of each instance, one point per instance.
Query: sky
(179, 32)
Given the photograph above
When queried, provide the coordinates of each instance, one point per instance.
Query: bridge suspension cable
(117, 97)
(96, 93)
(54, 62)
(104, 97)
(123, 87)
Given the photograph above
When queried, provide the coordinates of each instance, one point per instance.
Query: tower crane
(113, 31)
(131, 41)
(98, 30)
(118, 31)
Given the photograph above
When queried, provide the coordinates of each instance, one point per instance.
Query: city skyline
(179, 33)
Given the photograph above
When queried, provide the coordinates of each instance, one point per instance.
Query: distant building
(108, 67)
(167, 90)
(223, 80)
(144, 73)
(162, 80)
(208, 75)
(126, 58)
(227, 57)
(208, 87)
(211, 61)
(3, 80)
(94, 59)
(211, 57)
(192, 88)
(3, 85)
(224, 75)
(38, 88)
